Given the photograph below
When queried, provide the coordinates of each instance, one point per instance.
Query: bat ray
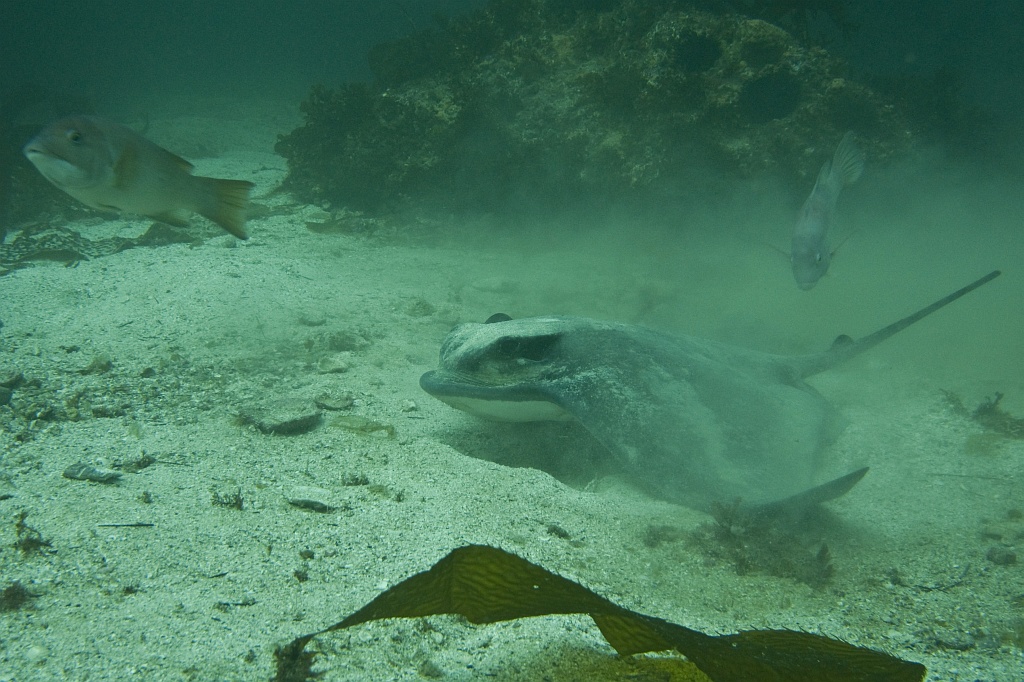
(694, 421)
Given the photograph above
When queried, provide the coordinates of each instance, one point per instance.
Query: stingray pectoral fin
(818, 494)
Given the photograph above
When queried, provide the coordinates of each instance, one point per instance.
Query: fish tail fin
(227, 203)
(848, 160)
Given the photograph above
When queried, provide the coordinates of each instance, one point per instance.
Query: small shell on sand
(80, 471)
(334, 364)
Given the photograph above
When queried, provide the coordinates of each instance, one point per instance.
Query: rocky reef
(562, 100)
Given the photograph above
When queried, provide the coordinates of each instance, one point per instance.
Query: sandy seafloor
(197, 334)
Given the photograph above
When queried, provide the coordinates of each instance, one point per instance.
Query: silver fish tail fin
(227, 204)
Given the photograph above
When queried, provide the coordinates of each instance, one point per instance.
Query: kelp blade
(486, 585)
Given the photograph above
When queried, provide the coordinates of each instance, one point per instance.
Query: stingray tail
(844, 348)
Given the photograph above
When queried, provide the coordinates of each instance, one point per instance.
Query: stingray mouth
(445, 384)
(509, 402)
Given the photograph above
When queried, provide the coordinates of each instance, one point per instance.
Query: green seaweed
(14, 596)
(28, 539)
(755, 542)
(989, 415)
(487, 585)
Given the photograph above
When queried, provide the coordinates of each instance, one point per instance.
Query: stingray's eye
(74, 135)
(817, 257)
(533, 348)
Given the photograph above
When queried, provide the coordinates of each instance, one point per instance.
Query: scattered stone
(952, 640)
(80, 471)
(313, 499)
(311, 505)
(354, 479)
(337, 363)
(311, 320)
(11, 378)
(344, 340)
(1001, 556)
(334, 403)
(283, 419)
(36, 654)
(420, 308)
(430, 670)
(101, 364)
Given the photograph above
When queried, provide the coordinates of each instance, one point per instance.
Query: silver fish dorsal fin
(848, 159)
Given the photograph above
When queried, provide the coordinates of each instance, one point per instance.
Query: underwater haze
(235, 235)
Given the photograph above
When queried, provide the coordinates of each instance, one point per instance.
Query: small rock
(334, 403)
(289, 418)
(420, 307)
(345, 340)
(1001, 556)
(313, 499)
(310, 505)
(311, 320)
(100, 364)
(952, 640)
(36, 654)
(431, 670)
(334, 364)
(11, 378)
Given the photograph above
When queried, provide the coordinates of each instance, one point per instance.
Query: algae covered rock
(561, 100)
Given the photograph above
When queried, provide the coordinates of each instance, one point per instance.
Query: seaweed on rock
(559, 100)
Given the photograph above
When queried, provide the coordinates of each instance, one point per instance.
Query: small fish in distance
(110, 167)
(811, 253)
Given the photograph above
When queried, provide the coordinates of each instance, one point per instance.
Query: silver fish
(811, 254)
(110, 167)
